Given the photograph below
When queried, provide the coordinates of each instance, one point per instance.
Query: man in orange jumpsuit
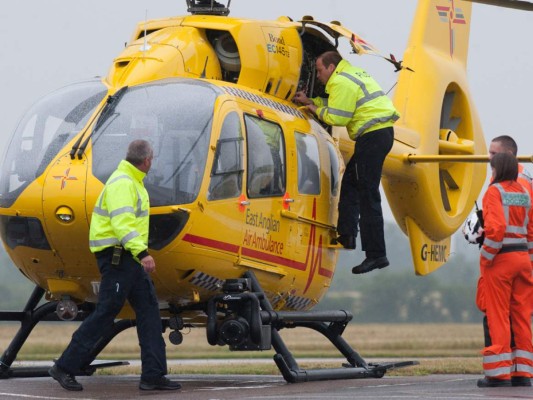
(505, 268)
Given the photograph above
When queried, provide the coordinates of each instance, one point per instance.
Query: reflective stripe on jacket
(121, 213)
(355, 101)
(506, 207)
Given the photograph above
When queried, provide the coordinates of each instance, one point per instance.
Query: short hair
(330, 57)
(505, 167)
(507, 142)
(138, 151)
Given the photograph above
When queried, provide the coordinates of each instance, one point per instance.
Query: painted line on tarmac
(30, 396)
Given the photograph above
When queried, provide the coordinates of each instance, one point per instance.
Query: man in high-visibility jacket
(357, 102)
(505, 266)
(119, 239)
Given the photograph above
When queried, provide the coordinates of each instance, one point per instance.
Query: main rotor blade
(517, 4)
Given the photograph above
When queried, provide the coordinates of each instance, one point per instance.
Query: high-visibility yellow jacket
(355, 101)
(121, 213)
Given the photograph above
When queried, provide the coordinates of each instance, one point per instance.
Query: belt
(108, 252)
(509, 248)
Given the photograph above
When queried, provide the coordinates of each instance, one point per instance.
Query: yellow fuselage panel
(169, 52)
(181, 48)
(222, 239)
(284, 240)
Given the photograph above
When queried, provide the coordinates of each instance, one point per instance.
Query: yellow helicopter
(244, 185)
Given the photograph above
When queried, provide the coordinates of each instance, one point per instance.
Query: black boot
(491, 382)
(520, 381)
(370, 264)
(347, 241)
(66, 380)
(162, 383)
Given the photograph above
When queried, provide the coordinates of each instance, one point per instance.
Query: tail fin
(443, 26)
(430, 201)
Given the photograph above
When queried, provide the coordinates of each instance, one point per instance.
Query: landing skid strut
(331, 324)
(28, 318)
(249, 324)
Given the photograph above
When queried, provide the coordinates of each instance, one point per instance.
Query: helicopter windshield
(43, 131)
(175, 117)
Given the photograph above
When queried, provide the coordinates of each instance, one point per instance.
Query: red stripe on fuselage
(273, 259)
(215, 244)
(259, 255)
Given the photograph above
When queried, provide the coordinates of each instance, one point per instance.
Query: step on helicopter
(244, 185)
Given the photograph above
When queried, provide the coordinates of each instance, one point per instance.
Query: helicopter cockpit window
(226, 175)
(175, 116)
(308, 164)
(266, 158)
(43, 131)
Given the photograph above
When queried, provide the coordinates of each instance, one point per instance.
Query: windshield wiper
(108, 110)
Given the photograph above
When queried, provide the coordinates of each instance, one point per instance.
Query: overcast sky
(48, 44)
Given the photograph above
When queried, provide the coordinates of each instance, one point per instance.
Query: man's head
(326, 64)
(140, 154)
(502, 144)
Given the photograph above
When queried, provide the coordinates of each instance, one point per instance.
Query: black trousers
(486, 333)
(126, 281)
(360, 200)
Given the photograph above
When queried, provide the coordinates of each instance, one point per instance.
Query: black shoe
(491, 382)
(162, 383)
(370, 264)
(66, 380)
(520, 381)
(347, 241)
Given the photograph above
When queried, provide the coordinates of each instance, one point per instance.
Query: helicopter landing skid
(330, 324)
(42, 371)
(29, 318)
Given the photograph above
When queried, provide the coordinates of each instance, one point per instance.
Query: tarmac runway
(254, 387)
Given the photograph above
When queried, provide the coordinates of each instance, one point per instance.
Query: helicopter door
(227, 171)
(336, 30)
(265, 236)
(220, 223)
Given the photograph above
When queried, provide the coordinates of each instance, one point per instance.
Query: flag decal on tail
(451, 15)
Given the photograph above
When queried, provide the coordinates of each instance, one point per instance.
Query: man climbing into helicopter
(357, 102)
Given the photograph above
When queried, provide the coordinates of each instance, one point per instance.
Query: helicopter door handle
(244, 203)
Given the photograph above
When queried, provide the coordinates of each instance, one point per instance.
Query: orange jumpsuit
(505, 269)
(525, 179)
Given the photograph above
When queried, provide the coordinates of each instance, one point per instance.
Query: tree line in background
(394, 294)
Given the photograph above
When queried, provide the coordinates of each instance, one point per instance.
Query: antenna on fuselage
(145, 47)
(207, 7)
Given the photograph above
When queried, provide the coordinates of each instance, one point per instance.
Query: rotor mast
(207, 7)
